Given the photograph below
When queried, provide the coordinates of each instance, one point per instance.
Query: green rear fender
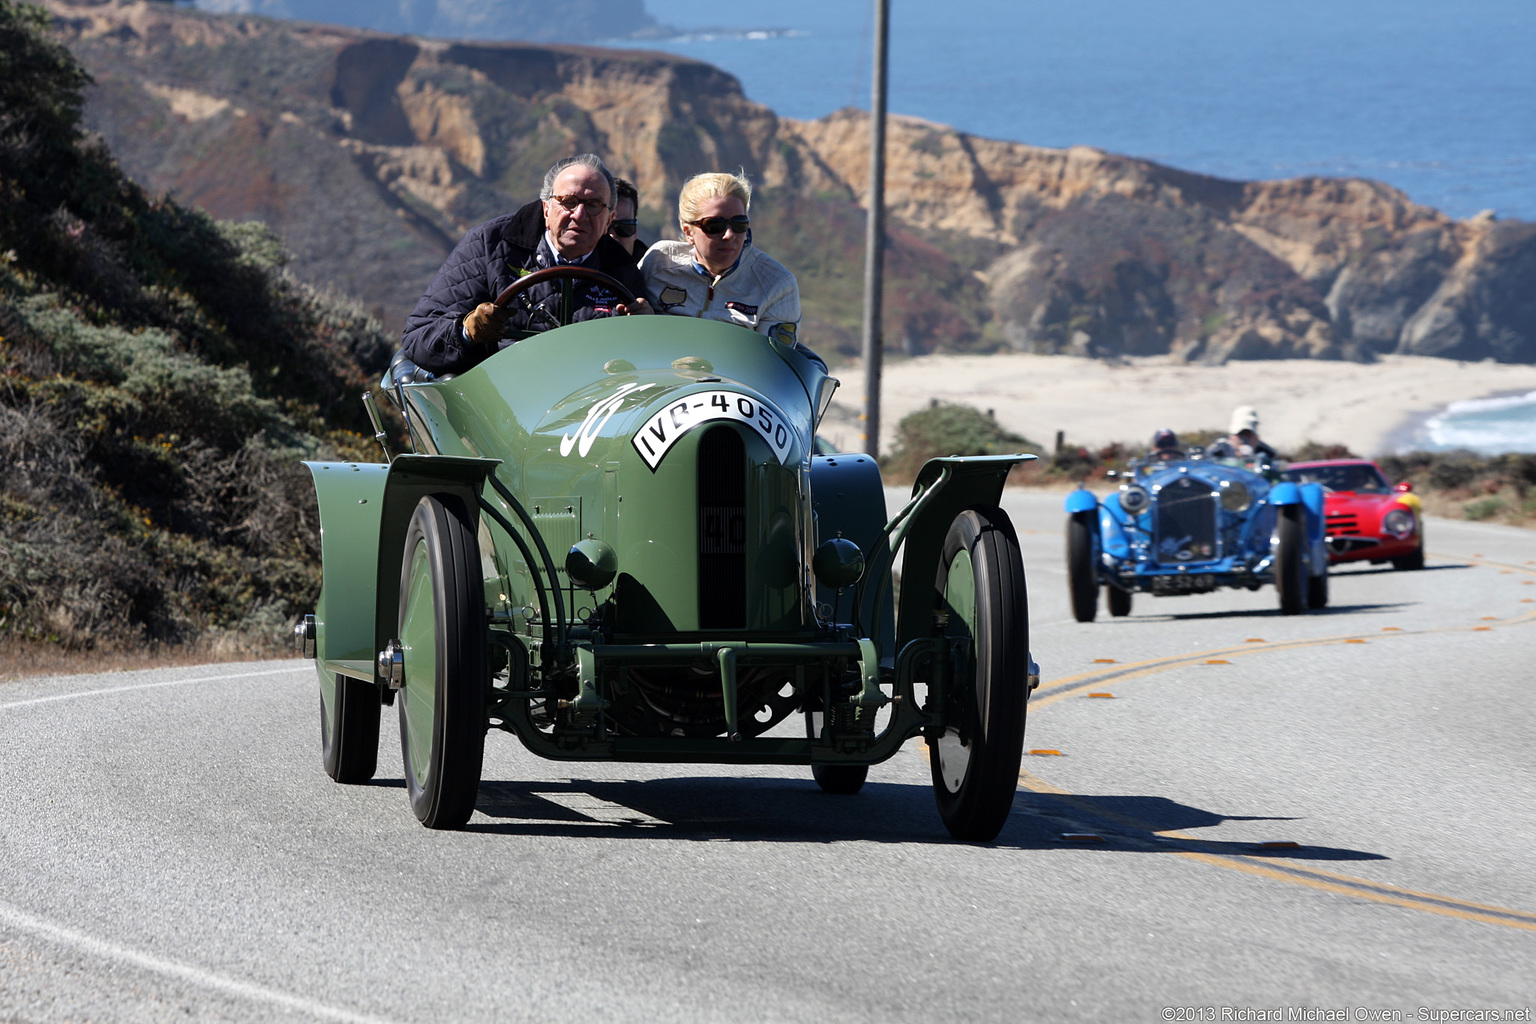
(365, 509)
(351, 496)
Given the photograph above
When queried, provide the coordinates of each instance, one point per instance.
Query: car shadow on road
(1142, 823)
(1346, 571)
(1272, 613)
(780, 810)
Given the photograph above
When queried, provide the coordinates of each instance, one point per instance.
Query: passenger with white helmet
(1242, 440)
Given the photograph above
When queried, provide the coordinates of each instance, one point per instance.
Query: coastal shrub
(1454, 470)
(1483, 508)
(161, 374)
(1311, 451)
(949, 428)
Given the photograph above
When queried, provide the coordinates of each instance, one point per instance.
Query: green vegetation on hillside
(948, 428)
(160, 375)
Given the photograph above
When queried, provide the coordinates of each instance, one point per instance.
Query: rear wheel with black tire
(1082, 575)
(837, 779)
(840, 779)
(980, 597)
(1119, 601)
(442, 630)
(1317, 591)
(1290, 560)
(349, 727)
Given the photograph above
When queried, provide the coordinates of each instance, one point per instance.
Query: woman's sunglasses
(714, 227)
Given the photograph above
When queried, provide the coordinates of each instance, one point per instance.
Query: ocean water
(1487, 425)
(1436, 98)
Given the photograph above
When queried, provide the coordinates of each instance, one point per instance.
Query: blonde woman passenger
(715, 271)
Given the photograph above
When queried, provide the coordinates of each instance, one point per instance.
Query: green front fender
(943, 489)
(365, 509)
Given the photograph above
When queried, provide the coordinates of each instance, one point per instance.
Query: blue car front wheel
(1082, 576)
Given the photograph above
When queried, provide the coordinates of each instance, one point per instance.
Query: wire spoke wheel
(980, 598)
(442, 625)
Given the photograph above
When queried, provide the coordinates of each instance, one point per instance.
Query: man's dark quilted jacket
(490, 258)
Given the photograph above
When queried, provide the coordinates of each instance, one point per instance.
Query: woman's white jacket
(759, 292)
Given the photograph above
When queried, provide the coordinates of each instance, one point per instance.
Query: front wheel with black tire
(1411, 562)
(980, 598)
(1119, 601)
(442, 632)
(349, 727)
(1082, 575)
(1290, 560)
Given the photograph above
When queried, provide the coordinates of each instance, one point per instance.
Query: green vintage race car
(614, 541)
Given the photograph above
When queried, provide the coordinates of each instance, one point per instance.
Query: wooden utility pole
(874, 248)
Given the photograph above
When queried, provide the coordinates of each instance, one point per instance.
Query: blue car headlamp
(1134, 498)
(1399, 523)
(1235, 496)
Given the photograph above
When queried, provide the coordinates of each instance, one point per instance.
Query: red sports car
(1367, 518)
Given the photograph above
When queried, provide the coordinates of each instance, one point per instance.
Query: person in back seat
(455, 325)
(626, 221)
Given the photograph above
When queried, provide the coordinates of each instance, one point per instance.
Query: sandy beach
(1364, 406)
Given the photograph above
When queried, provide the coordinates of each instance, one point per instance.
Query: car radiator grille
(1186, 522)
(722, 469)
(1342, 522)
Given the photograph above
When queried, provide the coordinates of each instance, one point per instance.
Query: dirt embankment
(371, 153)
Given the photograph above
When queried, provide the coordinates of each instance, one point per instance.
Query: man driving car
(456, 325)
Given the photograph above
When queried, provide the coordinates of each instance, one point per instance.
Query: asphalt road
(171, 849)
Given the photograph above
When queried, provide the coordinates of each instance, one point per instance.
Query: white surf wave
(1490, 426)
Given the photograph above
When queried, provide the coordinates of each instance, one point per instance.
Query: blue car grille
(1186, 523)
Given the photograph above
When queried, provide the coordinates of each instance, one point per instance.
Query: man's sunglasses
(592, 206)
(714, 227)
(626, 227)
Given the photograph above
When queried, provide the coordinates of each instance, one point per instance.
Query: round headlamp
(1134, 498)
(1235, 496)
(1399, 523)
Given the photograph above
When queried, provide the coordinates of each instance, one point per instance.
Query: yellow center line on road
(1294, 873)
(1061, 688)
(1280, 869)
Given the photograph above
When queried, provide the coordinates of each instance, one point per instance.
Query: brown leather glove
(485, 323)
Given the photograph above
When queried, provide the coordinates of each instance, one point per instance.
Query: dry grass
(23, 659)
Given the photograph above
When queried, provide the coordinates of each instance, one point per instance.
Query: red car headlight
(1399, 523)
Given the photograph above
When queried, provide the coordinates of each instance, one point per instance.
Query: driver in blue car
(456, 324)
(1165, 446)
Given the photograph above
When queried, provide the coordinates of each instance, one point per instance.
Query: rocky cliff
(463, 19)
(371, 153)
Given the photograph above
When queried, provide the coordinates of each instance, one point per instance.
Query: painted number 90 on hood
(659, 433)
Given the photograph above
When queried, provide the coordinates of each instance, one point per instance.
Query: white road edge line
(146, 686)
(23, 921)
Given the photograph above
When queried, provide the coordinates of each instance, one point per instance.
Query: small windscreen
(1361, 478)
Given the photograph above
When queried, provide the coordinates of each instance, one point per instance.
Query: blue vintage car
(1192, 525)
